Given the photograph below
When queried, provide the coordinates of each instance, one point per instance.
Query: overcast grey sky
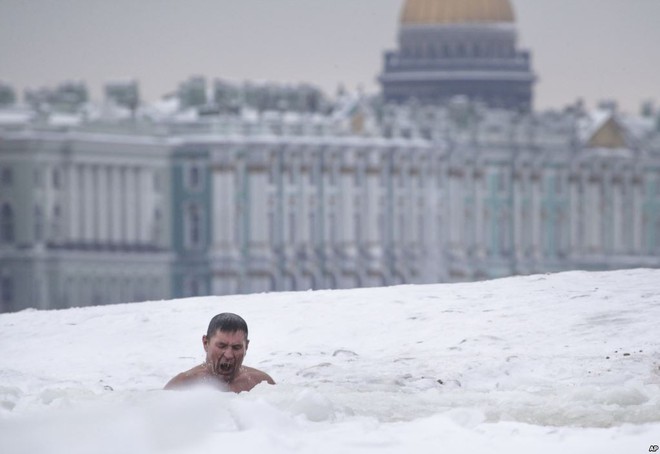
(594, 49)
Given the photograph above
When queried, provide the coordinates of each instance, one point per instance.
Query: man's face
(225, 352)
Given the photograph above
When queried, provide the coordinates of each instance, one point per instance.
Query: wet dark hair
(228, 323)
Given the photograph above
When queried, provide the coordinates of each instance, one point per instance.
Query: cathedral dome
(445, 12)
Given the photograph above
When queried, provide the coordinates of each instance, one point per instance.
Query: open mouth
(226, 367)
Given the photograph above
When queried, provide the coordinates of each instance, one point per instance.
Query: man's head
(227, 322)
(226, 342)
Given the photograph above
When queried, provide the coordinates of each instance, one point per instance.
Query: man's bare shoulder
(257, 376)
(188, 377)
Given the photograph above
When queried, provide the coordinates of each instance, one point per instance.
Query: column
(72, 205)
(224, 211)
(455, 212)
(123, 205)
(595, 217)
(258, 180)
(638, 214)
(90, 221)
(373, 208)
(130, 206)
(574, 215)
(482, 229)
(95, 203)
(103, 205)
(135, 204)
(147, 205)
(617, 217)
(115, 190)
(517, 194)
(536, 214)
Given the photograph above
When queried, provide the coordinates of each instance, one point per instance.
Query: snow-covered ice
(565, 362)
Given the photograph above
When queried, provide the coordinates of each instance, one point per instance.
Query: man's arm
(269, 379)
(185, 378)
(176, 382)
(258, 376)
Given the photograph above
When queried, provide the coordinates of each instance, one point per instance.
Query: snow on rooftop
(564, 363)
(163, 108)
(635, 126)
(249, 114)
(590, 123)
(15, 116)
(639, 126)
(64, 119)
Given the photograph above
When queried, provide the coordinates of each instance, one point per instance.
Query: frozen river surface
(567, 362)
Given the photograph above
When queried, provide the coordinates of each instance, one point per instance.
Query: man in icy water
(225, 343)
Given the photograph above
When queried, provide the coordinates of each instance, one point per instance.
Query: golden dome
(429, 12)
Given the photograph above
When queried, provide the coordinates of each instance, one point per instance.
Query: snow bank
(527, 364)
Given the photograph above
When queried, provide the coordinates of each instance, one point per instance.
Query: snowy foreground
(565, 363)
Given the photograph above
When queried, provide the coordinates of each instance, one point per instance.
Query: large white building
(83, 219)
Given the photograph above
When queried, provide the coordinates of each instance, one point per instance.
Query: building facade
(93, 215)
(292, 213)
(84, 219)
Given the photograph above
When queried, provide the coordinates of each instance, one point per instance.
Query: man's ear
(247, 343)
(205, 342)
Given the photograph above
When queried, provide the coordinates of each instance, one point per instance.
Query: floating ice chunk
(314, 405)
(259, 414)
(9, 396)
(466, 417)
(620, 395)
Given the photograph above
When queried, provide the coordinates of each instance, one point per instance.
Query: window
(401, 234)
(272, 170)
(271, 226)
(6, 176)
(292, 175)
(357, 223)
(6, 224)
(194, 176)
(38, 178)
(292, 227)
(560, 184)
(157, 229)
(359, 177)
(501, 182)
(312, 175)
(57, 221)
(332, 174)
(312, 226)
(381, 227)
(332, 222)
(158, 183)
(549, 184)
(38, 224)
(57, 180)
(503, 233)
(6, 293)
(440, 177)
(194, 225)
(193, 286)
